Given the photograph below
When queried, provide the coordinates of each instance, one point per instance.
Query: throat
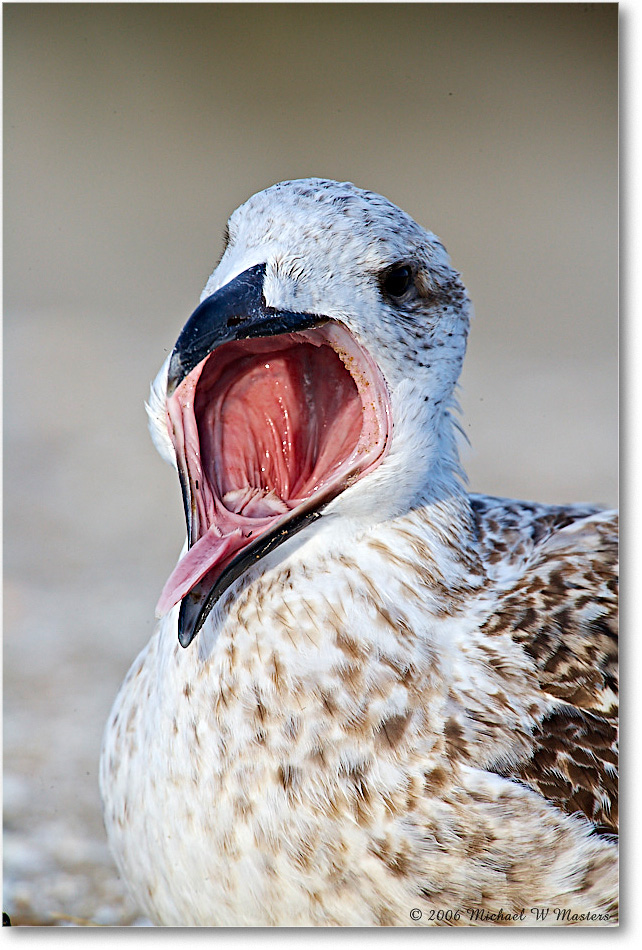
(254, 502)
(277, 422)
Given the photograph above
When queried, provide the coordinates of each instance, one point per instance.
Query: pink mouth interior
(265, 427)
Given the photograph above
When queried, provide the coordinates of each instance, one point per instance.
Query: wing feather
(557, 572)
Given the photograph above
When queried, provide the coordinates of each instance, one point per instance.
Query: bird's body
(404, 704)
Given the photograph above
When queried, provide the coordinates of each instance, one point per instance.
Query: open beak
(236, 311)
(272, 414)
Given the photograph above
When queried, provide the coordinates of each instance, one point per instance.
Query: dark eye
(396, 280)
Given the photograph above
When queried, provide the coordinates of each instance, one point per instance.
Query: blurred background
(131, 132)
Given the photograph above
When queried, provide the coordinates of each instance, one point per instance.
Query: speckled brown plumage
(563, 611)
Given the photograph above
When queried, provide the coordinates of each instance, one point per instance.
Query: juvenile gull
(389, 695)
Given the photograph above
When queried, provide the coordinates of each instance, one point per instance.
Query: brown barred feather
(561, 608)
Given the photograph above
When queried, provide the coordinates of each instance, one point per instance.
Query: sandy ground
(78, 604)
(129, 136)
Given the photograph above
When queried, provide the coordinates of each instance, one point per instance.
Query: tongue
(219, 544)
(208, 552)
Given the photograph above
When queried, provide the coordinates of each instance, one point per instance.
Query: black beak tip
(186, 632)
(185, 637)
(191, 616)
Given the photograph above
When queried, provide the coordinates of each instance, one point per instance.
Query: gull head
(315, 380)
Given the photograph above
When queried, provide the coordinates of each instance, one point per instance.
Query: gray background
(130, 133)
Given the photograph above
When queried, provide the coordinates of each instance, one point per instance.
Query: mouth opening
(266, 430)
